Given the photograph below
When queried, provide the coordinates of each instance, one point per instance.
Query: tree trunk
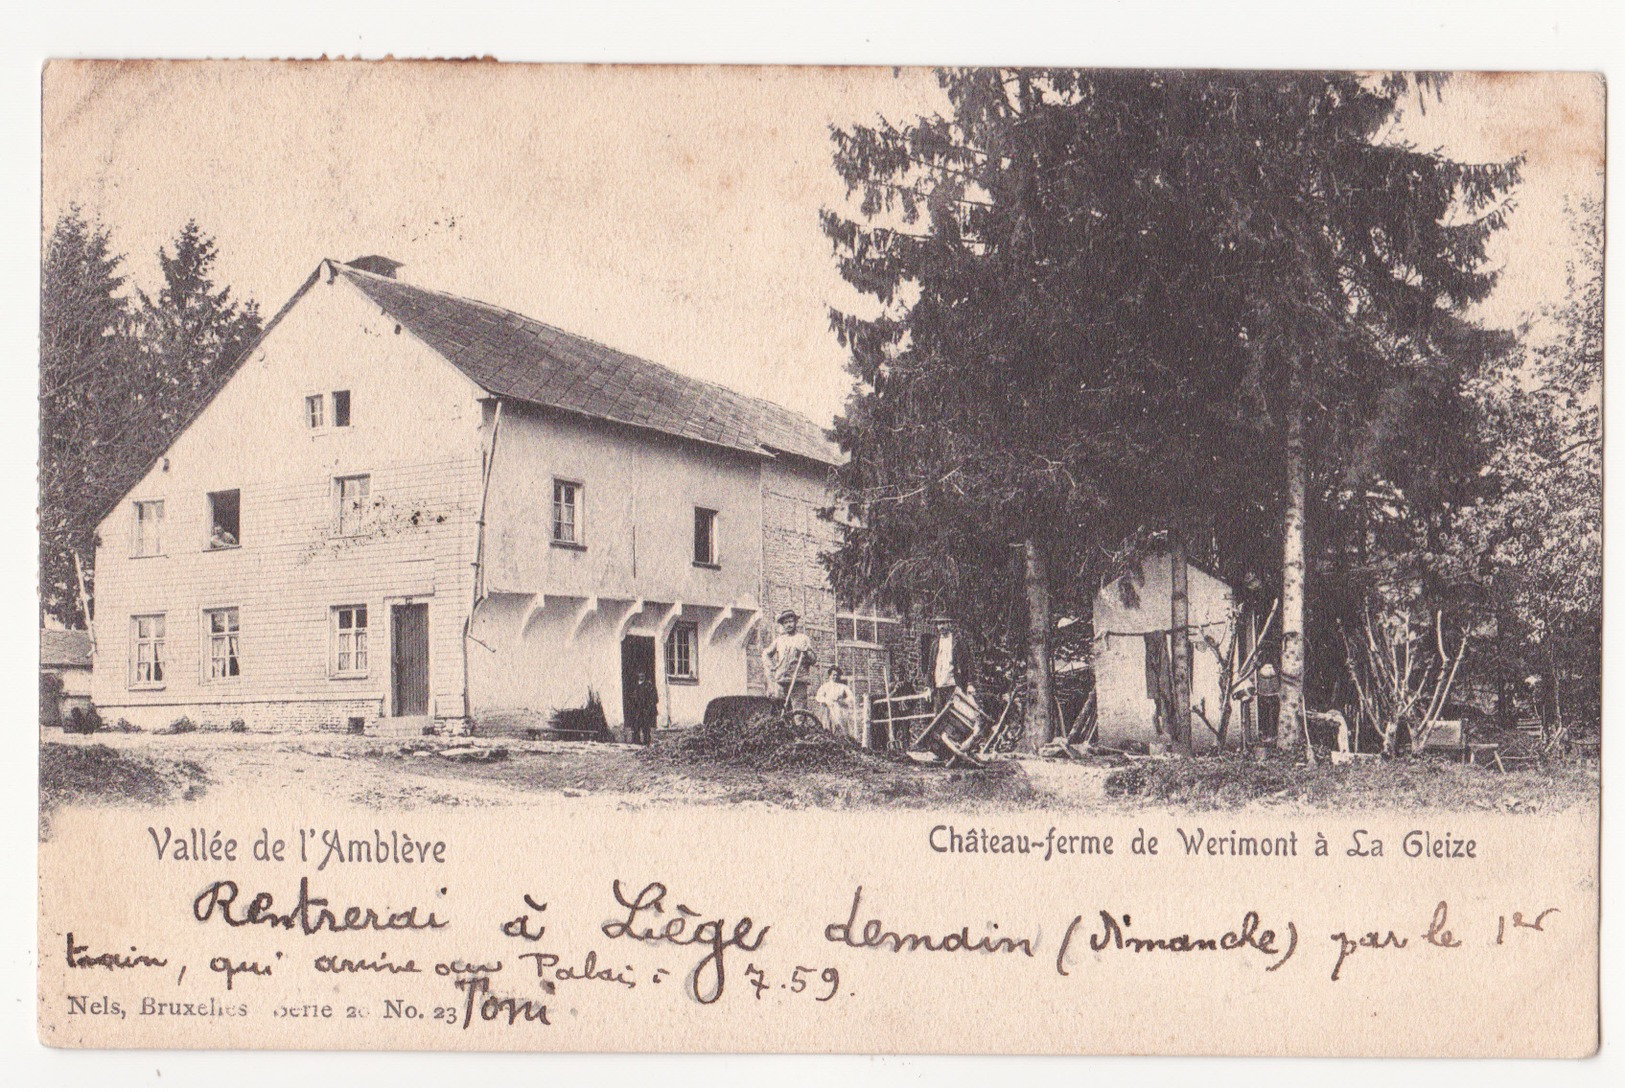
(1040, 724)
(1293, 570)
(1179, 625)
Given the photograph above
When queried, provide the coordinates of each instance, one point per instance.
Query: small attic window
(341, 409)
(314, 417)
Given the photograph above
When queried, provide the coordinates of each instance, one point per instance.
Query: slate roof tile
(64, 648)
(512, 356)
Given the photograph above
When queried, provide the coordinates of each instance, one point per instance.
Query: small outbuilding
(64, 673)
(1133, 657)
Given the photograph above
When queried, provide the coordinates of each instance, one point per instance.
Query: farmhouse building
(1132, 656)
(405, 508)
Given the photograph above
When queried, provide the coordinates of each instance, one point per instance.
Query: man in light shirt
(944, 661)
(789, 660)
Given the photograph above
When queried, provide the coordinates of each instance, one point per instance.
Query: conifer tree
(118, 379)
(87, 348)
(192, 332)
(1214, 303)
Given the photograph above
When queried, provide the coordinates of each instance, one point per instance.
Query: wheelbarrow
(741, 707)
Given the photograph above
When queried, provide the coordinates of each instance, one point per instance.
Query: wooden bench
(1485, 753)
(1448, 737)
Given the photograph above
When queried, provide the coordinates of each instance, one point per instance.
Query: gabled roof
(512, 356)
(135, 473)
(64, 648)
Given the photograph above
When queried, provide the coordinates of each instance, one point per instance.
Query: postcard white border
(1373, 34)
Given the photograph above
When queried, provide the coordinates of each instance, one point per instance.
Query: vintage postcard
(863, 560)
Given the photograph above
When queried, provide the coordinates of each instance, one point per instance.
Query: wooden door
(409, 659)
(640, 695)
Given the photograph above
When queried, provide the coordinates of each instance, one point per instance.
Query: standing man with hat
(945, 661)
(789, 660)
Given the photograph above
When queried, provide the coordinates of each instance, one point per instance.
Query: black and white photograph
(835, 486)
(1129, 435)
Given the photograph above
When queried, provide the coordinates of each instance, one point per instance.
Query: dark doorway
(409, 658)
(640, 697)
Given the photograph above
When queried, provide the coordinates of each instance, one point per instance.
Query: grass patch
(97, 774)
(1405, 783)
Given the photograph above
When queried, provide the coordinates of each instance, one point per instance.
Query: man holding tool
(787, 662)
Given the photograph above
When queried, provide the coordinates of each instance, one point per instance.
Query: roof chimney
(376, 263)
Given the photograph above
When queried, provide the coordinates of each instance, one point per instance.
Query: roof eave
(631, 426)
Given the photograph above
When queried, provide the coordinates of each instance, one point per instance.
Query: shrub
(84, 720)
(180, 726)
(50, 698)
(238, 724)
(122, 725)
(585, 720)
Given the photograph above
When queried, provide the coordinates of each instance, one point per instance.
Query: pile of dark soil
(98, 774)
(771, 742)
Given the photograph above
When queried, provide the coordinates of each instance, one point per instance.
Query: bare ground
(685, 767)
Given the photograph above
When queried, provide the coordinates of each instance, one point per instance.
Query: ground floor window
(220, 629)
(867, 670)
(865, 625)
(682, 652)
(350, 640)
(147, 650)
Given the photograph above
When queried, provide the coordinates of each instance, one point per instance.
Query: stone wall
(271, 716)
(793, 577)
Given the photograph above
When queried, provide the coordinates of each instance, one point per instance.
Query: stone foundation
(283, 716)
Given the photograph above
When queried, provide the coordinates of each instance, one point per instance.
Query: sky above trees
(669, 213)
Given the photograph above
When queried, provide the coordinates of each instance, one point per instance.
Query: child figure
(836, 698)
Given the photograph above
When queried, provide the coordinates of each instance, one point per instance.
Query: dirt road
(283, 771)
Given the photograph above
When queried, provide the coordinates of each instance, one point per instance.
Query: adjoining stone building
(406, 509)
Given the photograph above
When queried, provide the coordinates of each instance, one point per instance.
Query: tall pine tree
(87, 350)
(192, 332)
(1212, 303)
(117, 381)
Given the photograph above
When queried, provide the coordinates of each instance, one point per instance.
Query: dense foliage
(1110, 304)
(119, 376)
(1524, 562)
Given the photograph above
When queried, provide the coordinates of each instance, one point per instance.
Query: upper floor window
(316, 415)
(350, 640)
(864, 624)
(568, 529)
(352, 498)
(683, 652)
(225, 519)
(147, 650)
(705, 536)
(220, 631)
(147, 540)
